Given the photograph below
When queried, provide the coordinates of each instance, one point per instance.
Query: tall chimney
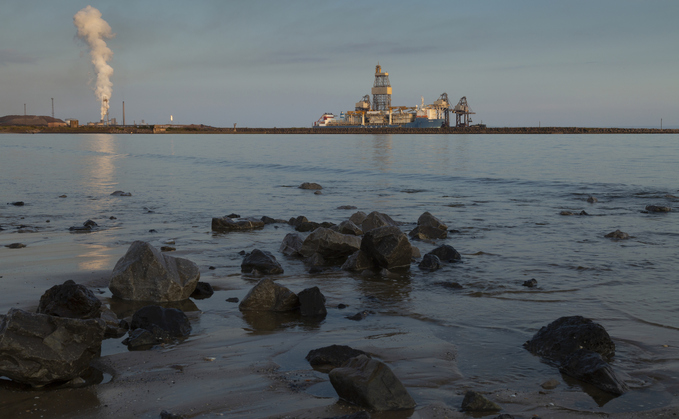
(52, 108)
(123, 113)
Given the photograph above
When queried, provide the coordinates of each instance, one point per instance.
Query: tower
(381, 90)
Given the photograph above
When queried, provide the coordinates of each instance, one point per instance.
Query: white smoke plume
(93, 30)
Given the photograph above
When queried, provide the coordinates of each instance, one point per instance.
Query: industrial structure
(380, 113)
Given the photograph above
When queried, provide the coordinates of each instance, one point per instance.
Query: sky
(594, 63)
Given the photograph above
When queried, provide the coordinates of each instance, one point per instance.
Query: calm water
(502, 193)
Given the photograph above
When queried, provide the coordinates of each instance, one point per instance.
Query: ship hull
(417, 123)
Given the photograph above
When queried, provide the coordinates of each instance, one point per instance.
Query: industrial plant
(381, 114)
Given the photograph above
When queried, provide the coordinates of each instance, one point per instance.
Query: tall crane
(462, 112)
(381, 90)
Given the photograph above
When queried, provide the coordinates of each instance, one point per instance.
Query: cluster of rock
(580, 348)
(272, 297)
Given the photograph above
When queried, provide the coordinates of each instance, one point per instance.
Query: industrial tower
(381, 91)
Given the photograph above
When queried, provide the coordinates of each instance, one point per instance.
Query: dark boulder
(360, 315)
(477, 402)
(563, 336)
(333, 356)
(427, 233)
(388, 247)
(269, 296)
(530, 283)
(375, 220)
(446, 253)
(291, 244)
(333, 246)
(226, 224)
(358, 217)
(296, 221)
(592, 199)
(203, 290)
(312, 303)
(370, 383)
(15, 246)
(268, 220)
(589, 367)
(234, 215)
(310, 185)
(617, 235)
(347, 227)
(121, 193)
(38, 349)
(430, 262)
(70, 300)
(358, 262)
(17, 203)
(307, 226)
(657, 208)
(88, 225)
(346, 207)
(261, 261)
(140, 340)
(165, 324)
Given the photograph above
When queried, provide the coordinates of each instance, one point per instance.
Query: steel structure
(462, 112)
(381, 91)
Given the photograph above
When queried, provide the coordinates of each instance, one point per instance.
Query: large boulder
(312, 302)
(261, 261)
(388, 247)
(39, 349)
(145, 274)
(476, 402)
(429, 227)
(563, 336)
(163, 324)
(617, 235)
(269, 296)
(70, 300)
(310, 185)
(347, 227)
(329, 357)
(370, 383)
(588, 366)
(446, 253)
(330, 244)
(430, 262)
(358, 262)
(291, 244)
(375, 220)
(227, 224)
(358, 217)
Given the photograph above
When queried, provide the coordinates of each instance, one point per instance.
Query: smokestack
(93, 29)
(52, 108)
(123, 113)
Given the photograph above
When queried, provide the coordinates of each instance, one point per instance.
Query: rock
(16, 246)
(370, 383)
(38, 349)
(232, 299)
(167, 415)
(315, 260)
(530, 283)
(360, 315)
(145, 274)
(203, 290)
(17, 203)
(318, 193)
(583, 213)
(298, 220)
(140, 340)
(358, 217)
(234, 215)
(165, 324)
(268, 220)
(508, 416)
(226, 224)
(550, 384)
(388, 247)
(446, 253)
(306, 226)
(618, 235)
(376, 219)
(451, 285)
(589, 367)
(70, 300)
(310, 185)
(333, 246)
(592, 200)
(333, 356)
(347, 227)
(312, 303)
(430, 262)
(562, 337)
(477, 402)
(346, 207)
(114, 329)
(416, 253)
(427, 233)
(262, 261)
(358, 415)
(167, 249)
(291, 244)
(565, 213)
(88, 225)
(657, 208)
(121, 193)
(358, 261)
(269, 296)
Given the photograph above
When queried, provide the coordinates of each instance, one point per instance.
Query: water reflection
(99, 169)
(382, 151)
(95, 258)
(124, 308)
(269, 321)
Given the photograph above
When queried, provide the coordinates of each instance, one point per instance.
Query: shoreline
(204, 129)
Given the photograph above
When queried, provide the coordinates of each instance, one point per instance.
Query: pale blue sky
(284, 63)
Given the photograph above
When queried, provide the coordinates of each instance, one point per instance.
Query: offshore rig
(380, 113)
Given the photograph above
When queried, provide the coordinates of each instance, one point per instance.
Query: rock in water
(310, 185)
(477, 402)
(388, 247)
(657, 208)
(592, 199)
(430, 262)
(145, 274)
(531, 283)
(617, 235)
(70, 300)
(164, 324)
(269, 296)
(376, 219)
(347, 227)
(358, 261)
(370, 383)
(588, 366)
(312, 303)
(330, 244)
(262, 261)
(563, 336)
(333, 356)
(291, 244)
(226, 224)
(429, 227)
(15, 246)
(358, 217)
(121, 193)
(203, 290)
(446, 253)
(38, 349)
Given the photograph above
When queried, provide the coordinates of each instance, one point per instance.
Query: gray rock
(425, 232)
(262, 261)
(269, 296)
(70, 300)
(430, 262)
(588, 366)
(315, 260)
(358, 262)
(346, 207)
(426, 219)
(165, 324)
(416, 253)
(530, 283)
(563, 336)
(113, 324)
(334, 356)
(140, 340)
(312, 303)
(657, 208)
(550, 384)
(592, 199)
(330, 244)
(203, 290)
(291, 244)
(310, 185)
(296, 221)
(375, 220)
(307, 226)
(446, 253)
(15, 246)
(617, 235)
(358, 217)
(145, 274)
(370, 383)
(227, 224)
(565, 213)
(347, 227)
(477, 402)
(121, 193)
(39, 349)
(388, 247)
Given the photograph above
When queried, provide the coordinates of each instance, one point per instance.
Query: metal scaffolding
(462, 112)
(381, 91)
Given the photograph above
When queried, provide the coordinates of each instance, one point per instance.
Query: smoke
(93, 30)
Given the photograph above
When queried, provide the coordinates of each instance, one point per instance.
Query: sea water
(500, 195)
